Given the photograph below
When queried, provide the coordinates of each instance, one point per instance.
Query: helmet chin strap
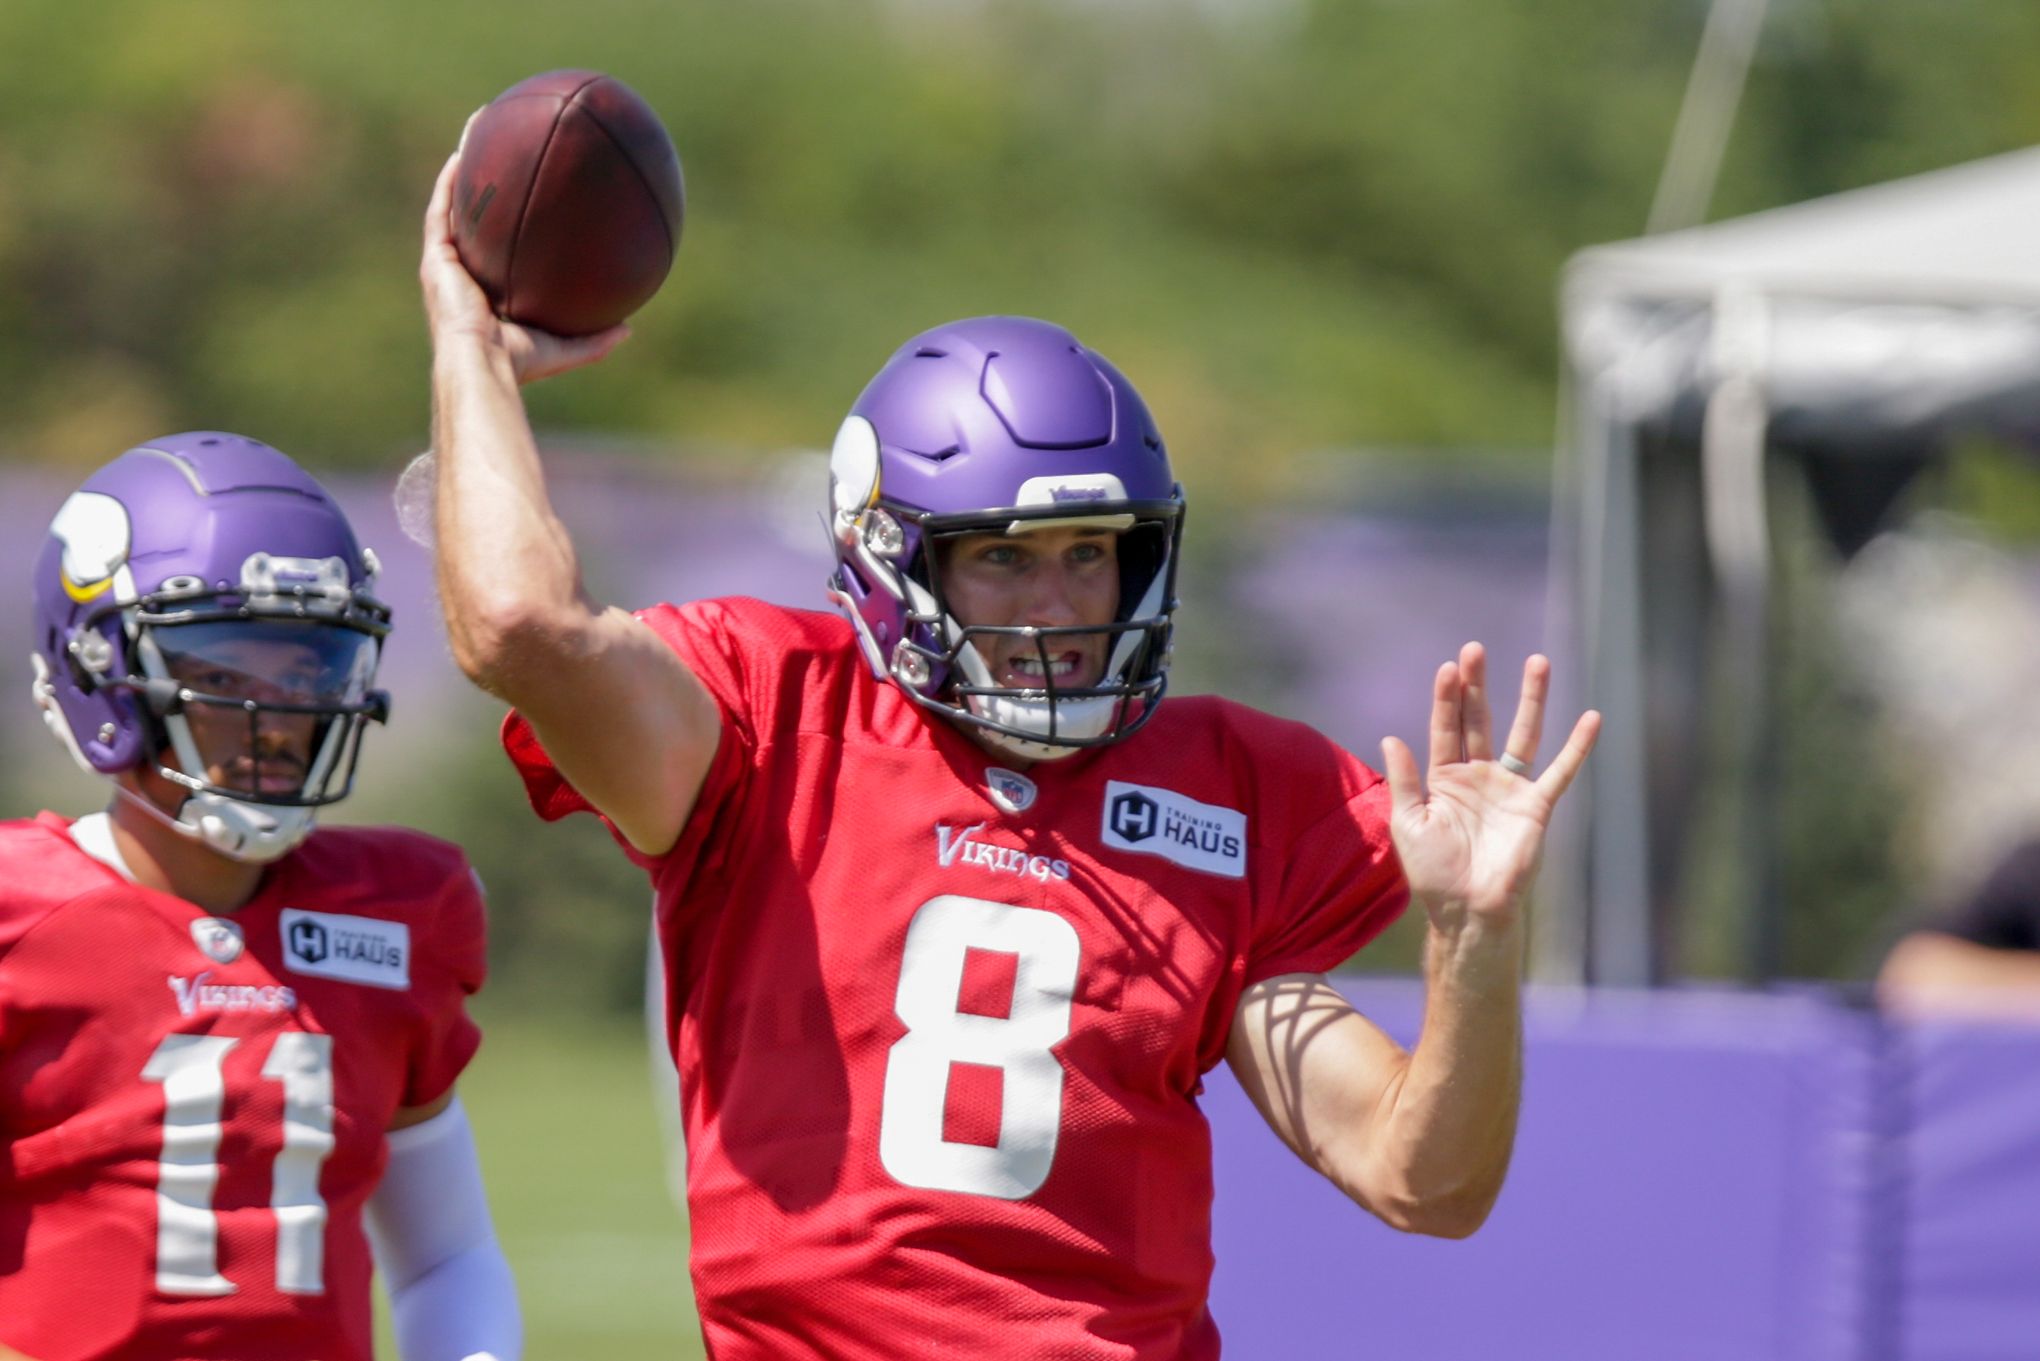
(228, 827)
(1079, 718)
(253, 836)
(1003, 711)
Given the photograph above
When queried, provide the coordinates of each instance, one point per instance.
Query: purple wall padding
(1969, 1256)
(1692, 1180)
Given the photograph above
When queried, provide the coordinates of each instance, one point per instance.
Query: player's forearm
(1442, 1141)
(451, 1292)
(509, 579)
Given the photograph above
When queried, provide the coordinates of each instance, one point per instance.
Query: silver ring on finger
(1514, 764)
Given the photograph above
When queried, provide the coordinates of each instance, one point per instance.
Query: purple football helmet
(1001, 424)
(197, 596)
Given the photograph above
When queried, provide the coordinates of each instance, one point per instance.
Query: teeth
(1031, 666)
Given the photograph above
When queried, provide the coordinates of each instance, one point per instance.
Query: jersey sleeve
(14, 924)
(1339, 886)
(450, 969)
(2004, 913)
(698, 633)
(34, 886)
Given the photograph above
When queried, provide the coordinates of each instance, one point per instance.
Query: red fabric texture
(987, 987)
(96, 974)
(827, 1076)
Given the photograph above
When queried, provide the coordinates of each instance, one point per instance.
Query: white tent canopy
(1968, 234)
(1861, 331)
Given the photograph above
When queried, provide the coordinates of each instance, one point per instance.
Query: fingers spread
(1476, 719)
(1445, 711)
(1572, 756)
(1526, 734)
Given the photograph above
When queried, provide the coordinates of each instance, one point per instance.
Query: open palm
(1470, 832)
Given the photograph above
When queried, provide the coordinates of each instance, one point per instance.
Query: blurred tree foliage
(568, 914)
(1301, 225)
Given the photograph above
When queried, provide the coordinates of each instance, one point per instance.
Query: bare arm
(599, 687)
(1422, 1137)
(1931, 974)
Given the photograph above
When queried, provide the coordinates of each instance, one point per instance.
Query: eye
(1089, 550)
(999, 554)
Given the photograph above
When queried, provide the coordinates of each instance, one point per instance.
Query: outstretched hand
(455, 304)
(1470, 842)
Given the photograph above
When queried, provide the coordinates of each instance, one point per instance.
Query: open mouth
(1029, 673)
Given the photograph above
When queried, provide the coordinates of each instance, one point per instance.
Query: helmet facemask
(276, 708)
(256, 700)
(937, 659)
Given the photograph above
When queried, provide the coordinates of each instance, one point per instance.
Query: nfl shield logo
(221, 940)
(1009, 789)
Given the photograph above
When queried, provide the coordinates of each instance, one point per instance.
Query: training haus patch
(352, 949)
(1162, 822)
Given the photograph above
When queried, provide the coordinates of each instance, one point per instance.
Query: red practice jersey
(192, 1106)
(941, 1024)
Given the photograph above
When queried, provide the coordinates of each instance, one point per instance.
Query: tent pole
(1558, 942)
(1707, 114)
(1621, 947)
(1732, 461)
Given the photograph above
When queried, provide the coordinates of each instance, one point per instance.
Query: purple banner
(1698, 1177)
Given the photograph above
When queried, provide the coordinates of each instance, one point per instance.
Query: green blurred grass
(570, 1146)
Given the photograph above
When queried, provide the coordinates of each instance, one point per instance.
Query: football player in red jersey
(228, 1042)
(956, 910)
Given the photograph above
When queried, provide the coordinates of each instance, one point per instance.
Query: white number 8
(917, 1071)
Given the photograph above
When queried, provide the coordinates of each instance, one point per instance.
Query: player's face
(1055, 576)
(264, 751)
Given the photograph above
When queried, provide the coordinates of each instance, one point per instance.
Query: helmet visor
(258, 699)
(270, 661)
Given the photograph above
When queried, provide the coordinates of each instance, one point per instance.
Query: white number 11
(192, 1069)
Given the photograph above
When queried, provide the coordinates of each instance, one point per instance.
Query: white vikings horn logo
(94, 530)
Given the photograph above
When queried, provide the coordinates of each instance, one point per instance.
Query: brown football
(568, 202)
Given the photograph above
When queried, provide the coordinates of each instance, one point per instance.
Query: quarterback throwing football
(956, 909)
(227, 1039)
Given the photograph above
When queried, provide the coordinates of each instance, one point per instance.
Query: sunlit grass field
(570, 1146)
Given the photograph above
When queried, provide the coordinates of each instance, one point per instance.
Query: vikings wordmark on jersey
(964, 845)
